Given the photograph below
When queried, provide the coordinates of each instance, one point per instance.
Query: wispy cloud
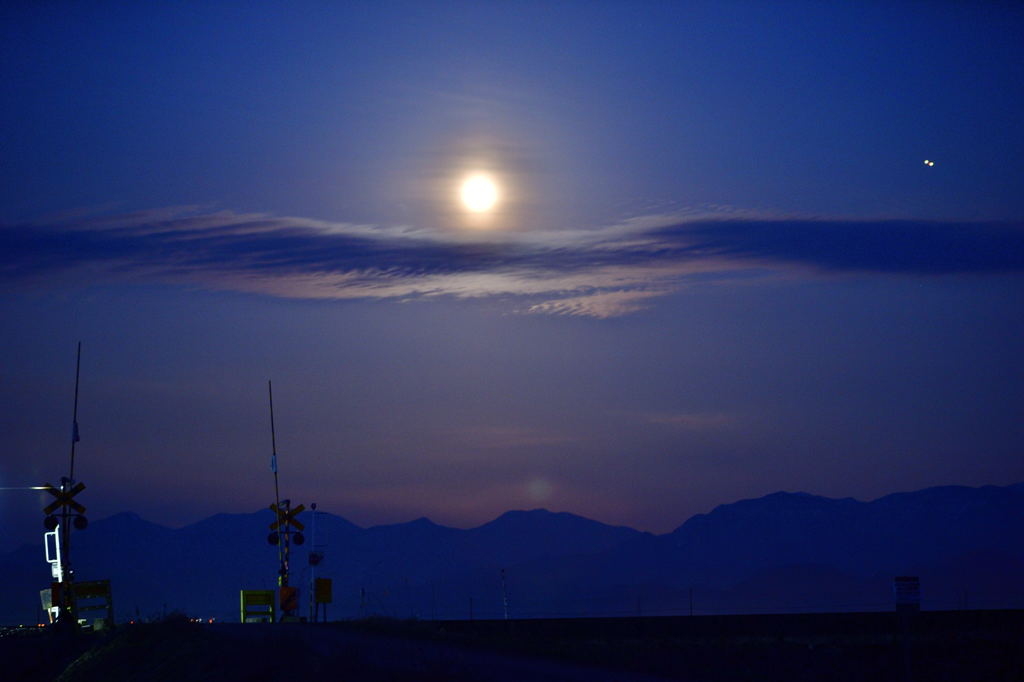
(601, 272)
(602, 304)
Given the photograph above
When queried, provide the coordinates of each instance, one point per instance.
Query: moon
(479, 193)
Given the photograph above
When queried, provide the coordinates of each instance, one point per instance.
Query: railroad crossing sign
(286, 517)
(64, 498)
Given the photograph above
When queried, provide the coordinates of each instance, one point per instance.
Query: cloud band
(599, 272)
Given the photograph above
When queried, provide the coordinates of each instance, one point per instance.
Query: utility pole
(504, 593)
(319, 588)
(312, 571)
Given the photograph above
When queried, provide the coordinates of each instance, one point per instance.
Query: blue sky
(719, 266)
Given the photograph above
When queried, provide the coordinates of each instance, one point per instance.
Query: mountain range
(783, 552)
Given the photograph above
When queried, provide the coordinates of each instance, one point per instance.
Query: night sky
(718, 265)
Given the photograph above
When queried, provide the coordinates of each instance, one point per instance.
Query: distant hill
(781, 552)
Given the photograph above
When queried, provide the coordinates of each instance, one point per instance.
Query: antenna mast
(281, 532)
(273, 467)
(74, 417)
(273, 443)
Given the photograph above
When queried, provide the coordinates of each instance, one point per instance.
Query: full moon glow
(479, 193)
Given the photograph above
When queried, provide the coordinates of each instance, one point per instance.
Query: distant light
(929, 163)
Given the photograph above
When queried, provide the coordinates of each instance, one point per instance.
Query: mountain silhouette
(781, 552)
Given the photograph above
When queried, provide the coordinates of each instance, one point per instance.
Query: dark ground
(960, 645)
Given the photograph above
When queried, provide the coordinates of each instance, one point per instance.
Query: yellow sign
(322, 592)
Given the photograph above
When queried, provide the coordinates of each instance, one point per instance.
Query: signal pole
(71, 513)
(282, 575)
(281, 532)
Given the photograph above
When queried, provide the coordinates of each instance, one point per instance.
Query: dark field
(953, 645)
